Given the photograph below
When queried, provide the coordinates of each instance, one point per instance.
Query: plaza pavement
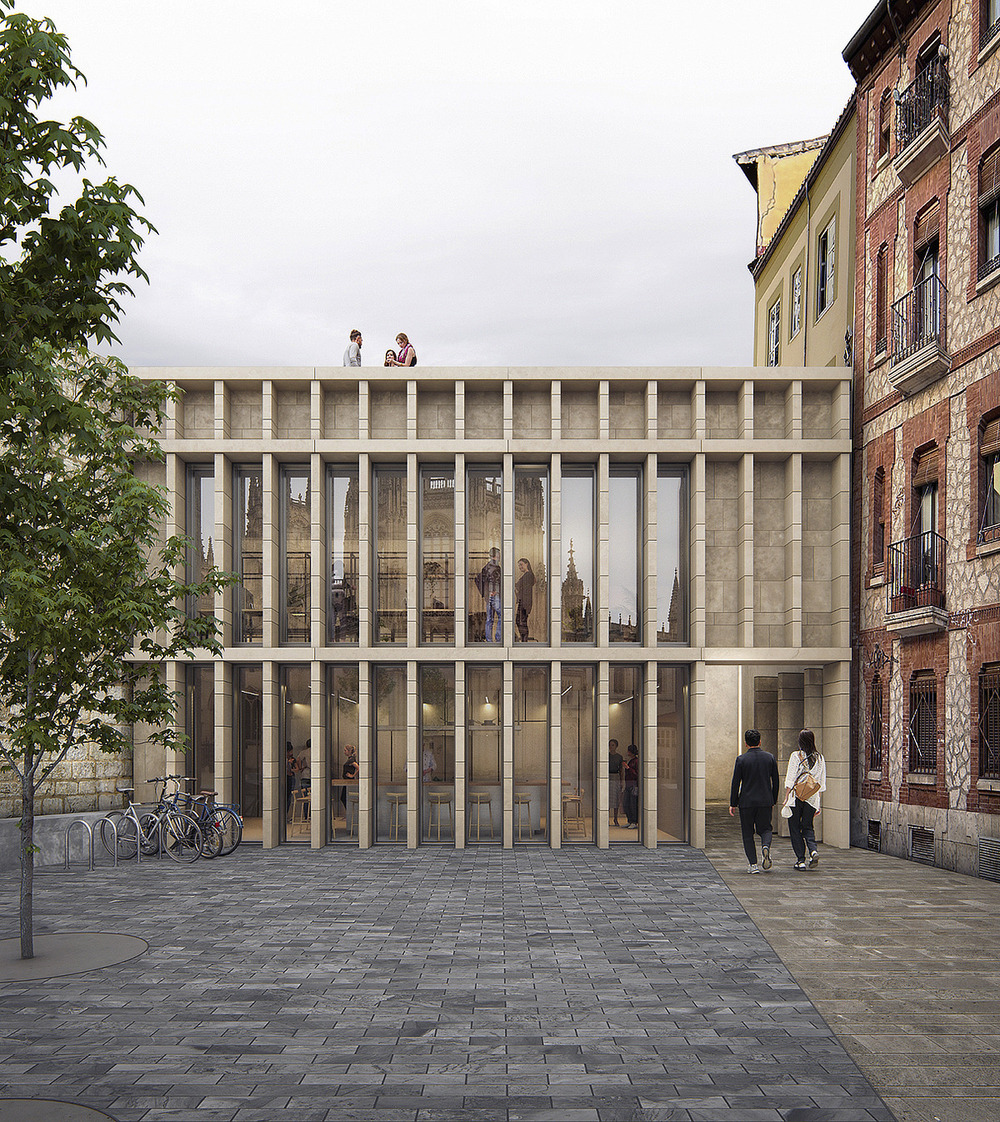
(899, 958)
(530, 984)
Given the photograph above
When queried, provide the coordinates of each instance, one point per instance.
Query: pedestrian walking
(755, 791)
(805, 781)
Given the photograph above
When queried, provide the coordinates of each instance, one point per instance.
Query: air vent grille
(875, 836)
(989, 858)
(922, 845)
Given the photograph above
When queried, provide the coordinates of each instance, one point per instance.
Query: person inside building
(616, 761)
(630, 788)
(523, 593)
(489, 582)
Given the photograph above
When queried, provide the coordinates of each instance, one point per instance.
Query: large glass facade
(343, 765)
(199, 760)
(531, 555)
(484, 527)
(249, 742)
(343, 519)
(625, 727)
(624, 547)
(248, 555)
(437, 753)
(437, 556)
(390, 555)
(484, 721)
(296, 538)
(296, 738)
(201, 535)
(531, 753)
(390, 754)
(577, 736)
(671, 556)
(577, 562)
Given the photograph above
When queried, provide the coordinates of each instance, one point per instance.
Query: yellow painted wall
(819, 341)
(778, 178)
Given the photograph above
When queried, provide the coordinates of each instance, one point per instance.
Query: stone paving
(899, 958)
(431, 984)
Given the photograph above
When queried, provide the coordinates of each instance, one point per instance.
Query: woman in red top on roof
(407, 355)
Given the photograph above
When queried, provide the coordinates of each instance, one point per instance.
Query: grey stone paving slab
(298, 984)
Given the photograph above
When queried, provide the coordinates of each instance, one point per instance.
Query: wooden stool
(479, 799)
(522, 800)
(396, 800)
(438, 800)
(574, 820)
(301, 800)
(353, 808)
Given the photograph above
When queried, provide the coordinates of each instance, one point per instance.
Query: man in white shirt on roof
(352, 356)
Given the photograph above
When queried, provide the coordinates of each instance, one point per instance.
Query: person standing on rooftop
(352, 356)
(407, 355)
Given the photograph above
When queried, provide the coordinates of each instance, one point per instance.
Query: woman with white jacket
(807, 763)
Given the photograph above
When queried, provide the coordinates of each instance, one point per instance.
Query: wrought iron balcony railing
(923, 99)
(916, 573)
(918, 318)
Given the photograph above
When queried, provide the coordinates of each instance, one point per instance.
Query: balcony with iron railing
(922, 122)
(919, 336)
(916, 585)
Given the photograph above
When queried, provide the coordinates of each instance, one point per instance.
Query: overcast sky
(519, 183)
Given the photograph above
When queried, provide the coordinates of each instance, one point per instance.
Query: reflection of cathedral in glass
(577, 612)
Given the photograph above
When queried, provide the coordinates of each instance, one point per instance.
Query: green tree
(89, 603)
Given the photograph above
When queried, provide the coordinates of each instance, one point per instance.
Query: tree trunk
(27, 861)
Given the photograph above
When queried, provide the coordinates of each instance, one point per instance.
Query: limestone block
(198, 412)
(388, 413)
(340, 413)
(532, 413)
(580, 413)
(721, 416)
(245, 413)
(436, 414)
(817, 414)
(483, 413)
(293, 414)
(673, 414)
(628, 414)
(768, 414)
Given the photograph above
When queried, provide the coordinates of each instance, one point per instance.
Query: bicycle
(223, 818)
(166, 828)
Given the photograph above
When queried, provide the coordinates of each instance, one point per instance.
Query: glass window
(671, 743)
(773, 333)
(248, 718)
(923, 723)
(296, 539)
(484, 521)
(437, 752)
(989, 722)
(248, 595)
(296, 736)
(990, 529)
(623, 552)
(199, 759)
(390, 555)
(484, 721)
(344, 766)
(826, 268)
(625, 727)
(437, 569)
(875, 725)
(531, 550)
(577, 563)
(201, 535)
(577, 724)
(531, 753)
(342, 518)
(671, 555)
(796, 316)
(390, 754)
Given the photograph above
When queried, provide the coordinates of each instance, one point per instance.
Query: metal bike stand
(90, 838)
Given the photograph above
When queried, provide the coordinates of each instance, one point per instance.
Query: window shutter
(990, 443)
(989, 178)
(831, 272)
(927, 226)
(925, 470)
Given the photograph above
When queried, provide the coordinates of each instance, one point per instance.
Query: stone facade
(917, 431)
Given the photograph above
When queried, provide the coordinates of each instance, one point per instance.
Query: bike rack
(90, 842)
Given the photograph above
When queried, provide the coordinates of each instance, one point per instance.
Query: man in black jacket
(755, 791)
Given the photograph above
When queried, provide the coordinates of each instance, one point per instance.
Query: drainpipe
(805, 279)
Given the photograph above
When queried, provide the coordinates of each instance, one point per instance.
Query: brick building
(925, 771)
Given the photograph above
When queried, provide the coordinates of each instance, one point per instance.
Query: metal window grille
(922, 845)
(875, 836)
(989, 722)
(924, 98)
(875, 725)
(773, 333)
(796, 316)
(923, 725)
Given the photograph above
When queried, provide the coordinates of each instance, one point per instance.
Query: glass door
(342, 754)
(437, 753)
(671, 753)
(248, 706)
(577, 710)
(531, 753)
(484, 719)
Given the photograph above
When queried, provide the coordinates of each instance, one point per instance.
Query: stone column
(366, 756)
(696, 755)
(555, 756)
(648, 785)
(602, 795)
(835, 745)
(793, 550)
(461, 755)
(319, 795)
(745, 565)
(274, 795)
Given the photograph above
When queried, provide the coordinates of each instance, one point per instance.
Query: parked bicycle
(166, 828)
(212, 816)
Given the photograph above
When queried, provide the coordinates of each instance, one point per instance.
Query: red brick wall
(982, 647)
(982, 399)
